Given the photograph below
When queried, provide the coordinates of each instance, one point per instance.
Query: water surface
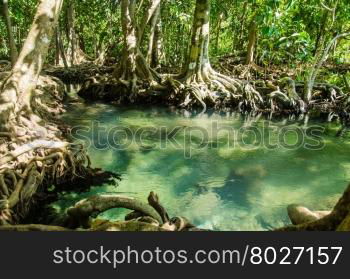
(216, 171)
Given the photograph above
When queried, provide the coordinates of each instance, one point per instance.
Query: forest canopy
(289, 32)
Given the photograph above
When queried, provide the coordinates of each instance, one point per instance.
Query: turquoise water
(221, 171)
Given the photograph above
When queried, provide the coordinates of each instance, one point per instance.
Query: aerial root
(211, 88)
(19, 181)
(301, 215)
(337, 220)
(152, 216)
(154, 201)
(208, 88)
(81, 212)
(284, 96)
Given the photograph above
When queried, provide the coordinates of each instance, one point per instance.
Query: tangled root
(51, 163)
(82, 211)
(145, 217)
(151, 216)
(212, 88)
(336, 220)
(208, 88)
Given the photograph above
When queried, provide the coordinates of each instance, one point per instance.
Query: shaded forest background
(286, 33)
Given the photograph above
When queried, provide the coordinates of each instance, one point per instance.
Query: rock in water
(301, 215)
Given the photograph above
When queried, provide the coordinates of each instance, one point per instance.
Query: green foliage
(288, 31)
(21, 12)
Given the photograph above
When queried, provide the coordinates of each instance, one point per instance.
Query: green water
(219, 181)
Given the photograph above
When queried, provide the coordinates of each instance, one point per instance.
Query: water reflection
(219, 186)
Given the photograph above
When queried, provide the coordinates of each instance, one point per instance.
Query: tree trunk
(133, 65)
(320, 58)
(61, 48)
(23, 127)
(237, 43)
(153, 40)
(72, 39)
(202, 83)
(75, 54)
(81, 39)
(57, 48)
(158, 54)
(218, 30)
(101, 50)
(128, 70)
(11, 40)
(198, 69)
(17, 89)
(251, 42)
(198, 63)
(31, 150)
(154, 7)
(346, 82)
(321, 33)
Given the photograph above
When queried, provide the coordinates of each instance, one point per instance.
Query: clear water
(218, 183)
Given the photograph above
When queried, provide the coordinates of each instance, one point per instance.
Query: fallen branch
(80, 213)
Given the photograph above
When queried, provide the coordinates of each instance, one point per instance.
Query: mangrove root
(81, 213)
(337, 220)
(301, 215)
